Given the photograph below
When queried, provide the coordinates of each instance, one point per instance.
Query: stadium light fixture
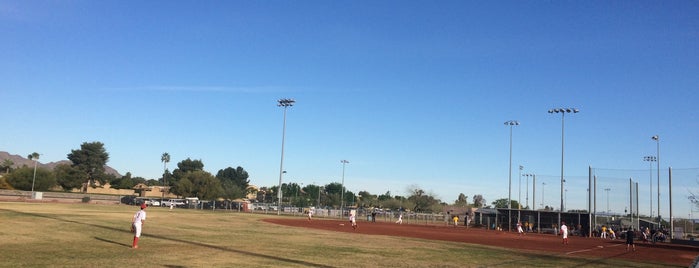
(656, 138)
(286, 103)
(342, 194)
(510, 123)
(563, 112)
(650, 159)
(527, 192)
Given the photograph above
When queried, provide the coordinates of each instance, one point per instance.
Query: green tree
(367, 199)
(68, 177)
(350, 199)
(231, 190)
(334, 188)
(386, 196)
(502, 203)
(165, 158)
(188, 165)
(125, 182)
(461, 201)
(294, 192)
(184, 187)
(478, 201)
(392, 203)
(312, 193)
(90, 159)
(7, 165)
(234, 181)
(185, 166)
(206, 186)
(422, 201)
(22, 179)
(333, 193)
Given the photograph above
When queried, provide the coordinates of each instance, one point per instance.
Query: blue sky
(410, 92)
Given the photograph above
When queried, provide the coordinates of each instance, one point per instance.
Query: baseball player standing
(400, 219)
(564, 232)
(137, 224)
(629, 239)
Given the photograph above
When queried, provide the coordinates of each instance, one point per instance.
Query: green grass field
(88, 235)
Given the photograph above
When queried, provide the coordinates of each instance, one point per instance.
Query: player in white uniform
(353, 220)
(519, 228)
(400, 219)
(564, 232)
(137, 224)
(310, 215)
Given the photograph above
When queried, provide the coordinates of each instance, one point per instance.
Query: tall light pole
(286, 103)
(543, 188)
(563, 112)
(607, 190)
(34, 156)
(533, 191)
(519, 195)
(510, 123)
(650, 160)
(342, 194)
(527, 196)
(656, 138)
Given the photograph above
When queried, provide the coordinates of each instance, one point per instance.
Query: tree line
(189, 179)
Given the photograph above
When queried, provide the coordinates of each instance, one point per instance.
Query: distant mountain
(20, 161)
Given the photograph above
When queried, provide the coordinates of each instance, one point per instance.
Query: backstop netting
(615, 193)
(614, 198)
(545, 193)
(685, 194)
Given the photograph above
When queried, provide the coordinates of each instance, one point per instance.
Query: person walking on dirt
(629, 239)
(353, 221)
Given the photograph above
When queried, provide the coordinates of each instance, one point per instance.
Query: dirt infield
(593, 248)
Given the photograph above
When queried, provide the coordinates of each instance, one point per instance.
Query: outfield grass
(88, 235)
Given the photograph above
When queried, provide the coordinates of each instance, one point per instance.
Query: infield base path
(661, 253)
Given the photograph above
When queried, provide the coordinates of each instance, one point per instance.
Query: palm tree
(7, 164)
(34, 156)
(165, 158)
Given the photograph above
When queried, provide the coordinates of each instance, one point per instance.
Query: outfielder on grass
(137, 224)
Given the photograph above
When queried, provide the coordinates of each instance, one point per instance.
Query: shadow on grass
(113, 242)
(577, 262)
(276, 258)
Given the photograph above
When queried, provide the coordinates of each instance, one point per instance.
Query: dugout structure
(617, 198)
(542, 221)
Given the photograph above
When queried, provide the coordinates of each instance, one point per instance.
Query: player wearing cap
(137, 224)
